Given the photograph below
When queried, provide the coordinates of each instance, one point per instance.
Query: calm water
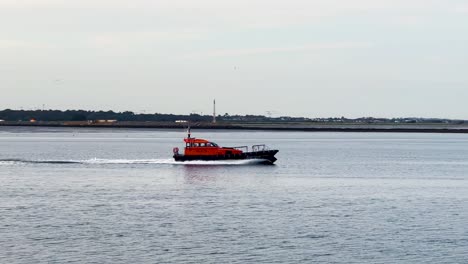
(115, 196)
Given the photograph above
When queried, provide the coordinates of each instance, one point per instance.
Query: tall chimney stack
(214, 111)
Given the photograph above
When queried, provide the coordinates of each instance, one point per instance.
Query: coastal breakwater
(273, 126)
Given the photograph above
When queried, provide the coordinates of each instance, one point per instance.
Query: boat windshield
(212, 144)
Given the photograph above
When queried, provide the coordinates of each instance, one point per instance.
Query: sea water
(116, 196)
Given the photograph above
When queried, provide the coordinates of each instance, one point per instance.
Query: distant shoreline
(305, 127)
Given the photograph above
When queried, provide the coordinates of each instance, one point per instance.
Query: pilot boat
(202, 149)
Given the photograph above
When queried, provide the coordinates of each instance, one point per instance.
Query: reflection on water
(201, 173)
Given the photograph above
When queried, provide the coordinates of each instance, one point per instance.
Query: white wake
(132, 161)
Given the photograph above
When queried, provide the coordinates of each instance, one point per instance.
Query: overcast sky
(314, 58)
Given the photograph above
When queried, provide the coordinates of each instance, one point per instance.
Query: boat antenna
(188, 131)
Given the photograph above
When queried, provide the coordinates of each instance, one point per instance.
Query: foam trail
(127, 161)
(131, 161)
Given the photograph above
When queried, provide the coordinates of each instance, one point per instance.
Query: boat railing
(254, 148)
(261, 147)
(242, 148)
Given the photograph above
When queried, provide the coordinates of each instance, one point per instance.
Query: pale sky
(313, 58)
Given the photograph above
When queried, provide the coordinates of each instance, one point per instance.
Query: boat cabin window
(209, 144)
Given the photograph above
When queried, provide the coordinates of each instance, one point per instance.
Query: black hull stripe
(266, 155)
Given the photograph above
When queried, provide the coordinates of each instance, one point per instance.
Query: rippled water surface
(116, 196)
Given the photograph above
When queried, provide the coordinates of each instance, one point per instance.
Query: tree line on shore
(85, 115)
